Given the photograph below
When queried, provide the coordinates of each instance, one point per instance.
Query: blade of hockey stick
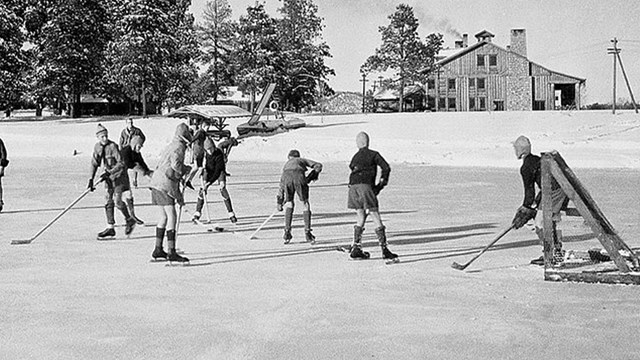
(457, 266)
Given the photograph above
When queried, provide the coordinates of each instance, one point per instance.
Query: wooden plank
(596, 226)
(547, 212)
(613, 277)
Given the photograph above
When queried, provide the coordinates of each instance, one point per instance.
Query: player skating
(133, 161)
(107, 155)
(215, 170)
(531, 176)
(293, 181)
(363, 192)
(165, 192)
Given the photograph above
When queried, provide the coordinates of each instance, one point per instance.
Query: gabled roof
(464, 51)
(483, 34)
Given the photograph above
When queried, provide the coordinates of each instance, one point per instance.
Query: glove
(279, 201)
(234, 141)
(90, 186)
(377, 188)
(189, 185)
(4, 162)
(104, 176)
(312, 176)
(523, 215)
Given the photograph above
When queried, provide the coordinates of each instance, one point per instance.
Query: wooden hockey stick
(457, 266)
(263, 224)
(28, 241)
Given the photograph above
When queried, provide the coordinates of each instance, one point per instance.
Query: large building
(486, 77)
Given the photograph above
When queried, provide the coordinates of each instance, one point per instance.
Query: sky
(570, 36)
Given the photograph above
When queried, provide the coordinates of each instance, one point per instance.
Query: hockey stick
(263, 224)
(28, 241)
(457, 266)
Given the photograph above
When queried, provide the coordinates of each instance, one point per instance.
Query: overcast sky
(569, 36)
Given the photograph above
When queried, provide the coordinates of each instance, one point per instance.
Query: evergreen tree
(301, 67)
(256, 50)
(216, 36)
(13, 60)
(151, 55)
(402, 51)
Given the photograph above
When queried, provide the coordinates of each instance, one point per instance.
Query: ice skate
(174, 257)
(107, 234)
(309, 237)
(233, 219)
(388, 256)
(138, 221)
(196, 217)
(357, 253)
(158, 255)
(129, 226)
(287, 236)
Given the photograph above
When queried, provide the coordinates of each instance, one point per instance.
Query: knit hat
(522, 146)
(101, 130)
(182, 132)
(294, 153)
(136, 140)
(362, 140)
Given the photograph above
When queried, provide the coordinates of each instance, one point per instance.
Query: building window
(472, 104)
(431, 84)
(442, 104)
(452, 103)
(498, 105)
(538, 105)
(472, 82)
(452, 84)
(480, 83)
(480, 60)
(482, 103)
(431, 103)
(493, 60)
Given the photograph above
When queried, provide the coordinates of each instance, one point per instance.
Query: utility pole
(615, 51)
(364, 82)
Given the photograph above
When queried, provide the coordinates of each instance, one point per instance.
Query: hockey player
(3, 164)
(107, 155)
(531, 176)
(215, 170)
(363, 192)
(293, 181)
(133, 161)
(129, 132)
(165, 192)
(197, 148)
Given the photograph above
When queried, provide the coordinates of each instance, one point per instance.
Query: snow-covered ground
(454, 186)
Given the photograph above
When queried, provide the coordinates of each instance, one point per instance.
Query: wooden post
(547, 211)
(614, 51)
(626, 80)
(364, 82)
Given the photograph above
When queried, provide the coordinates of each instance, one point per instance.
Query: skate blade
(107, 238)
(152, 260)
(392, 261)
(177, 264)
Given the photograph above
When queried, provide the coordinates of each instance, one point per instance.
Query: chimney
(519, 41)
(465, 40)
(459, 44)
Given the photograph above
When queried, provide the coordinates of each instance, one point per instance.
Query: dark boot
(171, 244)
(356, 248)
(106, 233)
(132, 212)
(309, 237)
(158, 252)
(287, 236)
(129, 226)
(382, 239)
(357, 253)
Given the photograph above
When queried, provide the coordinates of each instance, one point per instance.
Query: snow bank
(589, 139)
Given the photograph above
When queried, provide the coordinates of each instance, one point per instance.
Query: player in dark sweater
(531, 177)
(133, 161)
(363, 192)
(215, 170)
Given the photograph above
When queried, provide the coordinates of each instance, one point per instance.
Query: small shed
(388, 100)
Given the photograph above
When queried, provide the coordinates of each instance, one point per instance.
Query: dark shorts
(199, 159)
(361, 196)
(294, 183)
(161, 198)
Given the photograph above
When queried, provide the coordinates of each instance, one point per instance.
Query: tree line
(153, 52)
